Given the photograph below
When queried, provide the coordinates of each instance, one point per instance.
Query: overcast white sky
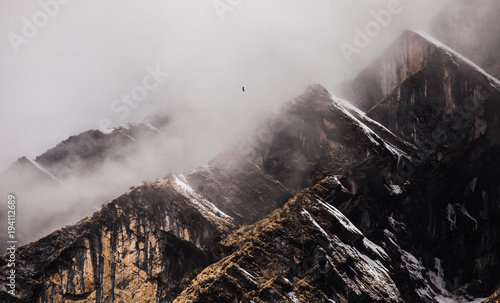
(64, 80)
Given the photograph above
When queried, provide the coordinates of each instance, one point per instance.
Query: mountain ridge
(319, 203)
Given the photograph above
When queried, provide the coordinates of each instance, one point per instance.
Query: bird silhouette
(243, 89)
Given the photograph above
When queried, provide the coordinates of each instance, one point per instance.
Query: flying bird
(243, 89)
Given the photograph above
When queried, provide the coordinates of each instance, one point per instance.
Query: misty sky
(65, 78)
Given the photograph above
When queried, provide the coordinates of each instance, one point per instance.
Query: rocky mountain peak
(321, 202)
(428, 94)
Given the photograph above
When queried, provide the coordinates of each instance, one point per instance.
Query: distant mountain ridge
(320, 203)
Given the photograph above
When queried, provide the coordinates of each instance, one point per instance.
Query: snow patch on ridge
(341, 218)
(349, 106)
(379, 251)
(249, 275)
(41, 168)
(107, 131)
(306, 214)
(413, 266)
(437, 278)
(344, 105)
(394, 190)
(150, 126)
(131, 138)
(205, 207)
(293, 297)
(494, 82)
(45, 171)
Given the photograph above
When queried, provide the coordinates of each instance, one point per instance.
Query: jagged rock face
(196, 209)
(246, 194)
(307, 252)
(321, 203)
(456, 217)
(429, 95)
(312, 136)
(73, 172)
(406, 56)
(445, 213)
(129, 250)
(449, 108)
(87, 151)
(143, 244)
(433, 97)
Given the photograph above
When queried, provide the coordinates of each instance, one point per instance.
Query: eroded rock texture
(428, 94)
(320, 203)
(74, 170)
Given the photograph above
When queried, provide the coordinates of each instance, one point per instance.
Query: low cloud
(66, 78)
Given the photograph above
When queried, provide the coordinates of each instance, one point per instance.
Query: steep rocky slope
(319, 203)
(435, 98)
(199, 207)
(141, 245)
(307, 251)
(74, 171)
(428, 94)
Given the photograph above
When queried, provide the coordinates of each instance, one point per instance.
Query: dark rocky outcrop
(200, 207)
(319, 203)
(428, 94)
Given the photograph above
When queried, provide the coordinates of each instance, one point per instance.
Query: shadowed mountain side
(428, 94)
(318, 203)
(310, 137)
(199, 208)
